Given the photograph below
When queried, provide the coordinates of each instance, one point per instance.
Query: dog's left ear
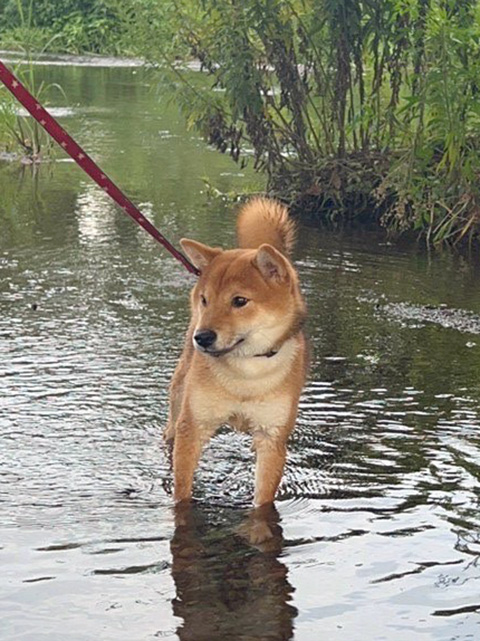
(271, 263)
(201, 255)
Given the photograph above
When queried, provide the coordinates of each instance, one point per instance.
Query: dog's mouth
(221, 352)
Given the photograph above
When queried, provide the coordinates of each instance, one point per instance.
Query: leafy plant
(353, 108)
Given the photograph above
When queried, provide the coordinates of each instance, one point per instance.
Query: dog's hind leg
(176, 390)
(175, 404)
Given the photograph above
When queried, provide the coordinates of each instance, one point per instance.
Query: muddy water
(376, 530)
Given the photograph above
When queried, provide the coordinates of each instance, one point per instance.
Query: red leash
(82, 159)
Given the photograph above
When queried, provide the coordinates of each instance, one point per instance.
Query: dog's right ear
(272, 264)
(201, 255)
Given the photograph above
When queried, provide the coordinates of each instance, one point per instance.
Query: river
(377, 526)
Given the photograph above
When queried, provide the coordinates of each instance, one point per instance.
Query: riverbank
(358, 189)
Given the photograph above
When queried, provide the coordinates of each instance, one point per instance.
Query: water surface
(376, 529)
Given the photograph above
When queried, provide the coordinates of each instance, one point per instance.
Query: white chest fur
(250, 388)
(267, 414)
(255, 376)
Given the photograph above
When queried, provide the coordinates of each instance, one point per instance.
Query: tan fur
(235, 380)
(265, 221)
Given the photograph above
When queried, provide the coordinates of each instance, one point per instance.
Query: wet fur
(246, 387)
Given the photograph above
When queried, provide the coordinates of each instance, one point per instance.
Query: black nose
(205, 338)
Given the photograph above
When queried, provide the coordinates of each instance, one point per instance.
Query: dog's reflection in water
(229, 581)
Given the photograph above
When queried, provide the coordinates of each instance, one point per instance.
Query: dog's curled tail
(263, 220)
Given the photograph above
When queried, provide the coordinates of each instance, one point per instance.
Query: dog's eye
(204, 300)
(239, 301)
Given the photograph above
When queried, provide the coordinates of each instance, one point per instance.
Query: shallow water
(376, 529)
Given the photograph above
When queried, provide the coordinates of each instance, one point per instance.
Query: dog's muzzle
(205, 340)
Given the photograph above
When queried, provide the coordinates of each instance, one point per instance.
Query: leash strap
(79, 155)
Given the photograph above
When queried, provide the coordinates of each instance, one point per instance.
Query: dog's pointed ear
(271, 263)
(201, 255)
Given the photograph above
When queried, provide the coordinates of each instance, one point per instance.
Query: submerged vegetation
(356, 110)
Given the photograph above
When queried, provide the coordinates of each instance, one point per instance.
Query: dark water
(377, 526)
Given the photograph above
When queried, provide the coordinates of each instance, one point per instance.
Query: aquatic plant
(19, 133)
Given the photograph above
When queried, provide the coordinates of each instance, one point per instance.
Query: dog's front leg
(190, 437)
(271, 453)
(187, 449)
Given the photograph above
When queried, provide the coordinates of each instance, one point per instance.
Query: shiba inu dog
(245, 358)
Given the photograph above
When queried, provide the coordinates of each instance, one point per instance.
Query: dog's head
(246, 301)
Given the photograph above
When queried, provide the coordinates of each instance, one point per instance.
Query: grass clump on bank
(354, 109)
